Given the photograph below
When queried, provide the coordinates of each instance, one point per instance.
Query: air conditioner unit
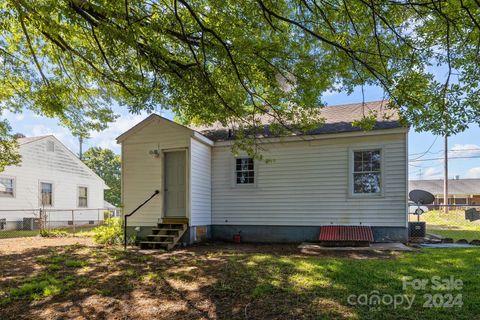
(417, 230)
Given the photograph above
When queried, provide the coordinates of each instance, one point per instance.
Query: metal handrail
(131, 213)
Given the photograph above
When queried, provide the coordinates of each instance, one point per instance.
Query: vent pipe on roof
(457, 177)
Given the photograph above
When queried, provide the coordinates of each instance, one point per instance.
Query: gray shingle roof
(337, 118)
(455, 186)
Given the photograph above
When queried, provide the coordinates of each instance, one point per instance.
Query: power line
(452, 158)
(428, 148)
(451, 150)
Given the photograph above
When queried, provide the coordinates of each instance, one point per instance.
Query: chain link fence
(458, 222)
(32, 222)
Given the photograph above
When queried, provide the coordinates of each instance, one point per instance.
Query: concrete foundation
(292, 234)
(273, 234)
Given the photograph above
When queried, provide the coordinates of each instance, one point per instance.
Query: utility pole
(80, 140)
(445, 174)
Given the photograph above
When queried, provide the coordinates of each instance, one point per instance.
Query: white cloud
(464, 150)
(13, 116)
(473, 173)
(107, 137)
(431, 173)
(103, 139)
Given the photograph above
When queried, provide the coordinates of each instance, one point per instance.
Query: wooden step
(155, 242)
(165, 229)
(155, 245)
(175, 220)
(178, 226)
(163, 235)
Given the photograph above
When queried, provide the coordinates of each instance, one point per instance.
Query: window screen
(82, 196)
(6, 187)
(245, 173)
(50, 146)
(46, 194)
(367, 172)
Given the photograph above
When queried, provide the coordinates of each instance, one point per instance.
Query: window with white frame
(82, 197)
(6, 187)
(367, 171)
(244, 171)
(46, 194)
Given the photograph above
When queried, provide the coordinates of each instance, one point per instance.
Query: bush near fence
(27, 223)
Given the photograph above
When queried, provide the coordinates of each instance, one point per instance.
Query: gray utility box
(31, 223)
(417, 230)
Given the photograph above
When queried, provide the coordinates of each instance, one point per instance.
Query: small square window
(50, 146)
(244, 171)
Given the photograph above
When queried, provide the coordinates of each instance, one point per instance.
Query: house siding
(307, 183)
(64, 171)
(201, 188)
(142, 173)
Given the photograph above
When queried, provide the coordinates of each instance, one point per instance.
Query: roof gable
(155, 117)
(33, 141)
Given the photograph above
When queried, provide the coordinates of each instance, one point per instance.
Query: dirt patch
(15, 245)
(72, 278)
(290, 250)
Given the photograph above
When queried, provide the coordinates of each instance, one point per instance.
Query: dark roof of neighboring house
(30, 139)
(455, 186)
(337, 119)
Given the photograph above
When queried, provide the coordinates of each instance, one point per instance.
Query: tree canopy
(211, 60)
(106, 164)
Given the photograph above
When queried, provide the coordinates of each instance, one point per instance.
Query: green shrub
(110, 232)
(55, 233)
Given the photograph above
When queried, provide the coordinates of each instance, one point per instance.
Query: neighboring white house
(52, 178)
(335, 175)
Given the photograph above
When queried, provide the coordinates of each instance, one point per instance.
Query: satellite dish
(421, 197)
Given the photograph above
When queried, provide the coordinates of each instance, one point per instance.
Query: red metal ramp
(346, 233)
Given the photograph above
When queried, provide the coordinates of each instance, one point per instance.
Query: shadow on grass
(220, 282)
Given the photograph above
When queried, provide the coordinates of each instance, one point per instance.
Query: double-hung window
(244, 171)
(46, 194)
(6, 187)
(367, 172)
(83, 197)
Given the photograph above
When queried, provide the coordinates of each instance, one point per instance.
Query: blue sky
(466, 144)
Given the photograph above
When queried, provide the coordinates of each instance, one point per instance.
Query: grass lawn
(452, 225)
(5, 234)
(227, 282)
(80, 231)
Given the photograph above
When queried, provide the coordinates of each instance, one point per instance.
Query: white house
(335, 175)
(52, 178)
